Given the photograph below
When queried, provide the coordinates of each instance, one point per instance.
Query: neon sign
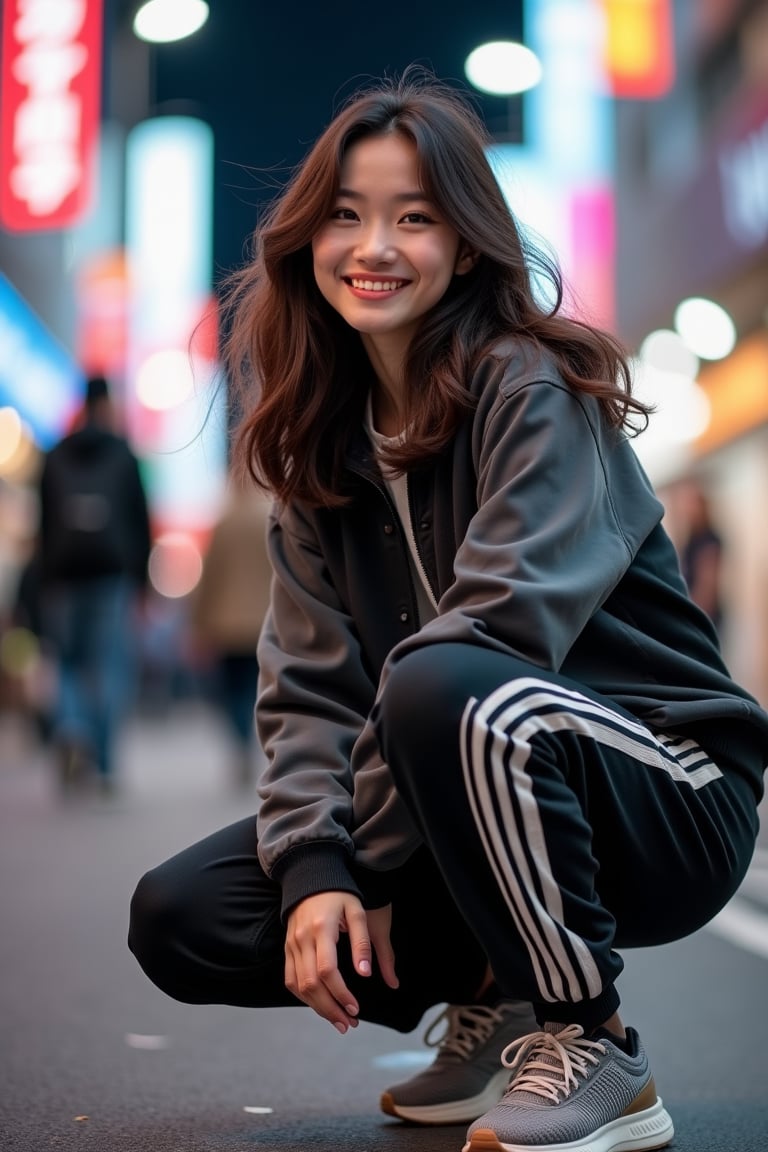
(50, 86)
(639, 48)
(38, 377)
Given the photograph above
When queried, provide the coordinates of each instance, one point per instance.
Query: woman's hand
(379, 926)
(311, 957)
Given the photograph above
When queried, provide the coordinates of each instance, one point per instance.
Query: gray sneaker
(567, 1091)
(465, 1078)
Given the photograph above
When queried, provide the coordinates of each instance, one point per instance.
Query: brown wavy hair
(301, 372)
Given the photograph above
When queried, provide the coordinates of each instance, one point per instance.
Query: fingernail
(351, 1008)
(364, 967)
(340, 1027)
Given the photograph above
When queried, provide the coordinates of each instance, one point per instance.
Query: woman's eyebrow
(404, 197)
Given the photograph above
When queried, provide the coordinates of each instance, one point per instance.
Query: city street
(94, 1058)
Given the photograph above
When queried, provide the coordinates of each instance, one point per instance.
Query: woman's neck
(388, 391)
(386, 413)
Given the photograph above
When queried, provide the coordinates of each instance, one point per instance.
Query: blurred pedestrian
(94, 551)
(701, 549)
(501, 741)
(227, 612)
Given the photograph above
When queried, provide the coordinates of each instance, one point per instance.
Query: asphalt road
(94, 1058)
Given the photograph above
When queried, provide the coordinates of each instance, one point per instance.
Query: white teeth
(376, 285)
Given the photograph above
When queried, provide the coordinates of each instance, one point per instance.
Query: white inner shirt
(397, 484)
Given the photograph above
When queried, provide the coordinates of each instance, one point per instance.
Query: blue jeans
(92, 627)
(237, 681)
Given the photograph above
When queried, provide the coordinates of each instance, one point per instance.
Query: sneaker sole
(643, 1131)
(452, 1111)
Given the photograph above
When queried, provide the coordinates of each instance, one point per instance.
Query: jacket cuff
(310, 869)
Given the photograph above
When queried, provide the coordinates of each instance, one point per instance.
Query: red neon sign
(50, 89)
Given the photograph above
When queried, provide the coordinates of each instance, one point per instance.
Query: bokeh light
(165, 380)
(175, 564)
(705, 327)
(161, 21)
(665, 351)
(503, 68)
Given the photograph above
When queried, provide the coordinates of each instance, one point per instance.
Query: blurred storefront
(648, 168)
(692, 221)
(107, 268)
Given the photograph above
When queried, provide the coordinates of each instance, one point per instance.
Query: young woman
(502, 742)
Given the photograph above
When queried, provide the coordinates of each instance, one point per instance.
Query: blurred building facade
(106, 269)
(692, 221)
(689, 191)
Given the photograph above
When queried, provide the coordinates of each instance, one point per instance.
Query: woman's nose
(375, 245)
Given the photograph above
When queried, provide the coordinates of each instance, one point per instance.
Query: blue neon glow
(38, 377)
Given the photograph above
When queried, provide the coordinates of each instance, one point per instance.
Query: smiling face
(386, 255)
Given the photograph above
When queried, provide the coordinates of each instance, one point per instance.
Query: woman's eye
(417, 218)
(343, 214)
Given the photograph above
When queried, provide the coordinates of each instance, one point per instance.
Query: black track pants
(205, 927)
(557, 830)
(564, 829)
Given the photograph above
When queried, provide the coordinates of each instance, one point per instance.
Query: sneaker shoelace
(466, 1027)
(549, 1064)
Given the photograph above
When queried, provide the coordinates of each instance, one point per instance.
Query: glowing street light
(160, 21)
(705, 327)
(503, 68)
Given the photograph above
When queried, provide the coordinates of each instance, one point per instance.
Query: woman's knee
(206, 921)
(150, 905)
(159, 912)
(430, 685)
(419, 686)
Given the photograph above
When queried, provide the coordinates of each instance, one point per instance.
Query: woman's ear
(466, 260)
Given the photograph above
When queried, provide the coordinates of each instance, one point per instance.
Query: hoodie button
(389, 529)
(404, 617)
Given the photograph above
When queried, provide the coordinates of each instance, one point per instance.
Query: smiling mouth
(375, 285)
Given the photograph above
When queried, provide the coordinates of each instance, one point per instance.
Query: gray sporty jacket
(540, 535)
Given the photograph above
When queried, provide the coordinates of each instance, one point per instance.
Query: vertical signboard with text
(50, 97)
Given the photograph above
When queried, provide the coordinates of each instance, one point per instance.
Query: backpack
(84, 522)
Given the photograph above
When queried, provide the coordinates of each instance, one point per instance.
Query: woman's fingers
(311, 970)
(320, 991)
(359, 939)
(379, 928)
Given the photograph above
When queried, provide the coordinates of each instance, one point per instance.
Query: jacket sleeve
(314, 697)
(542, 552)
